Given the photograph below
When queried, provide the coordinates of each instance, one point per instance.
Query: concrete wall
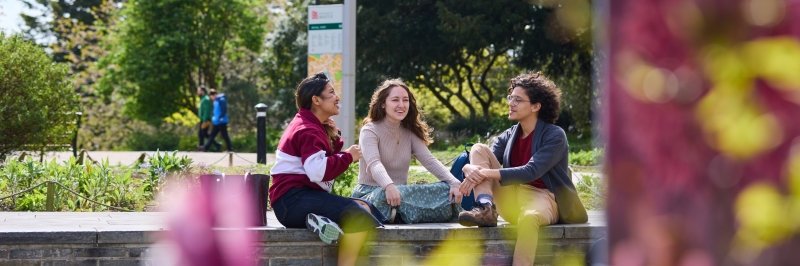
(407, 245)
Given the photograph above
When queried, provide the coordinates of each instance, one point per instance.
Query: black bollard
(261, 133)
(75, 138)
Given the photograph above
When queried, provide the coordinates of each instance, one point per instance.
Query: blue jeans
(292, 208)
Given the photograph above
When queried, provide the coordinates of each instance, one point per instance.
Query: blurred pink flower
(208, 227)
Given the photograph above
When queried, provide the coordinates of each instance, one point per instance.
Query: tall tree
(461, 53)
(285, 61)
(451, 47)
(50, 26)
(36, 98)
(165, 49)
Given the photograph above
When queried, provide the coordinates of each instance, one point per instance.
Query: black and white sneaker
(328, 231)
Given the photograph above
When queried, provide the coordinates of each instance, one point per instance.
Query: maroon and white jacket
(305, 157)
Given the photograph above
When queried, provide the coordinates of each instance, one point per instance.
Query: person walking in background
(393, 132)
(220, 120)
(524, 175)
(204, 113)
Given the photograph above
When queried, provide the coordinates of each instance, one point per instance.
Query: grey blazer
(549, 161)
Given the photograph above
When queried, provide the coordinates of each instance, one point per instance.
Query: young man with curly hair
(524, 175)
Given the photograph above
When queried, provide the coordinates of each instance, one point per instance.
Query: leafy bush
(99, 182)
(188, 143)
(591, 192)
(141, 141)
(346, 182)
(580, 142)
(159, 166)
(131, 187)
(586, 158)
(244, 143)
(38, 101)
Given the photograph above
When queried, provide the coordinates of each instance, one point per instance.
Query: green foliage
(37, 103)
(158, 167)
(246, 143)
(591, 192)
(130, 187)
(457, 56)
(100, 182)
(242, 96)
(285, 62)
(166, 48)
(188, 143)
(346, 181)
(49, 23)
(141, 141)
(580, 142)
(565, 54)
(587, 157)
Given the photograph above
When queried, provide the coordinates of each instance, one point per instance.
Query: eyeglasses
(514, 101)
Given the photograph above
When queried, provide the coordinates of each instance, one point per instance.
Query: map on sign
(325, 42)
(331, 64)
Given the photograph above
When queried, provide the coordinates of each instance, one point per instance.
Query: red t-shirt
(521, 155)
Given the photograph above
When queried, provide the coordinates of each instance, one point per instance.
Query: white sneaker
(328, 231)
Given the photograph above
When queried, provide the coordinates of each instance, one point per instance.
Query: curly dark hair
(540, 90)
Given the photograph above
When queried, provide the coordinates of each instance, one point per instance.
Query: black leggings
(292, 208)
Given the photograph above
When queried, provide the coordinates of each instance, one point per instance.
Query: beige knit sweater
(387, 148)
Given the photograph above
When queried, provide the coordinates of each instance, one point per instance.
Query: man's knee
(532, 218)
(480, 149)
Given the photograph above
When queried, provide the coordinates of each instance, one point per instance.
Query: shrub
(592, 192)
(38, 101)
(159, 166)
(586, 158)
(346, 182)
(162, 140)
(188, 143)
(98, 182)
(243, 143)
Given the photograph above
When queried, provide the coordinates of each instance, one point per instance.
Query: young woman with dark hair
(308, 160)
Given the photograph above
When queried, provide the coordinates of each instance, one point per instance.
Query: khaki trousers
(525, 206)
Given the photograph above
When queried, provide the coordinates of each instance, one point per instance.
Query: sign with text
(325, 42)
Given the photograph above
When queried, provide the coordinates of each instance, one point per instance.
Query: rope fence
(220, 159)
(51, 192)
(580, 181)
(246, 160)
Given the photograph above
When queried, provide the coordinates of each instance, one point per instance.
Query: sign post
(326, 53)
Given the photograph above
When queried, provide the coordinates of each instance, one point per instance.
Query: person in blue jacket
(219, 120)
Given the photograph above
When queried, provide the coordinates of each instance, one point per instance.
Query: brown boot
(482, 215)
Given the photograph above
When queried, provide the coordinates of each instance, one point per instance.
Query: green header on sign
(329, 26)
